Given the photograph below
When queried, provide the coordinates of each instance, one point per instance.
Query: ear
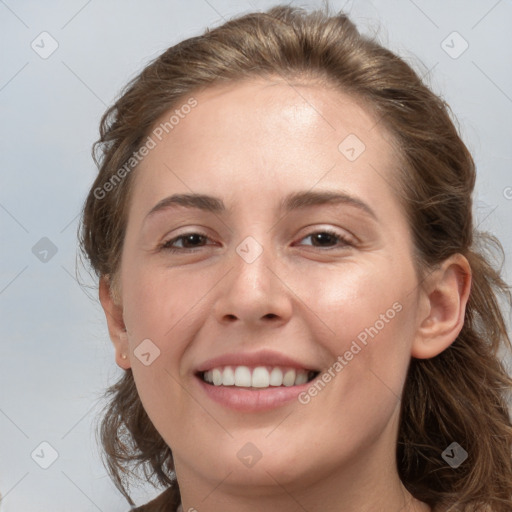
(116, 328)
(445, 293)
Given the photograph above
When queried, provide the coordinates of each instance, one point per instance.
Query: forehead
(266, 135)
(249, 110)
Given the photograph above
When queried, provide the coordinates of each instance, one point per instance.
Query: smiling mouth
(258, 377)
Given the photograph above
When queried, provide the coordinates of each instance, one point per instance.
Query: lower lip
(252, 400)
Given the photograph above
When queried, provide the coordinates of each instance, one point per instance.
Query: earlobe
(446, 292)
(115, 322)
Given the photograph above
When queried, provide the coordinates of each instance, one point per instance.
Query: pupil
(190, 238)
(323, 236)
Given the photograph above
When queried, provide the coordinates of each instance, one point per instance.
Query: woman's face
(268, 274)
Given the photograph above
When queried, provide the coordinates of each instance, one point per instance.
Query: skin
(251, 143)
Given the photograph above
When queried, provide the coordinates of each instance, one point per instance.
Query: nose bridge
(255, 251)
(252, 290)
(252, 258)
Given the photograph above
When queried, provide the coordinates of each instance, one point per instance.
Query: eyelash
(167, 245)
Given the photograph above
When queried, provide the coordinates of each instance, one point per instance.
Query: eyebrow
(294, 201)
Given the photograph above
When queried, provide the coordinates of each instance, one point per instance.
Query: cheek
(159, 303)
(351, 299)
(163, 307)
(367, 315)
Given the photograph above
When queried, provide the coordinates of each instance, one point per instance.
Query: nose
(253, 292)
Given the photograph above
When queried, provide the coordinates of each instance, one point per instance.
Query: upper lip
(260, 358)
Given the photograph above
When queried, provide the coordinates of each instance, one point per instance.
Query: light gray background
(56, 358)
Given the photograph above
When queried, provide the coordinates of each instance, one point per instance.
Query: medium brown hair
(459, 395)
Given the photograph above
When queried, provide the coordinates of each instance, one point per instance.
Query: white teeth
(276, 377)
(258, 377)
(228, 376)
(289, 378)
(217, 377)
(301, 378)
(242, 377)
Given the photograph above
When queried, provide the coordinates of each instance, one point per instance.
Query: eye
(326, 237)
(192, 240)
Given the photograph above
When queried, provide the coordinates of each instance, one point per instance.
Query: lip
(252, 359)
(252, 400)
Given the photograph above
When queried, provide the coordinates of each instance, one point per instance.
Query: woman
(292, 281)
